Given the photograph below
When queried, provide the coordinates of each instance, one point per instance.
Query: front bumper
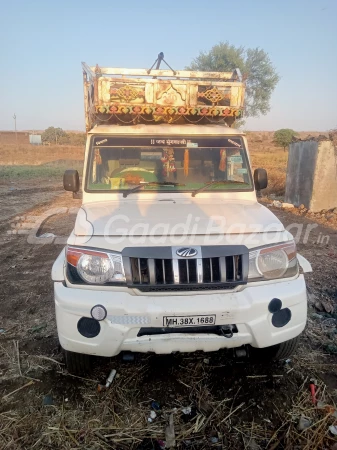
(129, 311)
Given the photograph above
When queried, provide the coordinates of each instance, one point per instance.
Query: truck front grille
(152, 274)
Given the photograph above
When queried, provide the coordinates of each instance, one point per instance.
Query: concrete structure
(35, 139)
(312, 174)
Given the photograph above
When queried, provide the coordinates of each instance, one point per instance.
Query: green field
(39, 172)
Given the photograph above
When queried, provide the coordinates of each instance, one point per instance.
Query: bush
(60, 137)
(283, 137)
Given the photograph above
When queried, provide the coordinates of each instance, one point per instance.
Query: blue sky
(44, 42)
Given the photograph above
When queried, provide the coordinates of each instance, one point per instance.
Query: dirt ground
(16, 200)
(232, 404)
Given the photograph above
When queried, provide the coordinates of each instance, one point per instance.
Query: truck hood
(158, 217)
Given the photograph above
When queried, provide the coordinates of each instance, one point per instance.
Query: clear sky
(44, 41)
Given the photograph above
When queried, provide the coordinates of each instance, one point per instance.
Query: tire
(287, 348)
(275, 352)
(77, 363)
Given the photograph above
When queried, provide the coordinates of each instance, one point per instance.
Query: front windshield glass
(119, 164)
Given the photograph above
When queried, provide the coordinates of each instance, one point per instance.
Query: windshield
(120, 164)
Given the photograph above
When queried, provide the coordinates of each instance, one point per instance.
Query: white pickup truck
(171, 251)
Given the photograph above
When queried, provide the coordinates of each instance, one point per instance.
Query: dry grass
(118, 417)
(114, 419)
(275, 162)
(26, 154)
(274, 159)
(317, 435)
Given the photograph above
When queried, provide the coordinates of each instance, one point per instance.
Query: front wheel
(77, 363)
(275, 352)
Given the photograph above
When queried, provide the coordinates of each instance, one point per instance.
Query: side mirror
(260, 179)
(71, 180)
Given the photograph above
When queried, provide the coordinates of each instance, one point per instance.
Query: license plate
(188, 321)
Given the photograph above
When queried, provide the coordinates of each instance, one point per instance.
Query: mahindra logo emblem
(186, 252)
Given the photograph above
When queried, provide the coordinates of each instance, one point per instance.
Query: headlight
(277, 261)
(96, 267)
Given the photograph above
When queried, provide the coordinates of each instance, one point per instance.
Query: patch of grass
(275, 162)
(29, 172)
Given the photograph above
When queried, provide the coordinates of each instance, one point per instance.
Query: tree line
(57, 136)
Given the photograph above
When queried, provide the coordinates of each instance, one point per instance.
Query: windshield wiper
(194, 193)
(151, 183)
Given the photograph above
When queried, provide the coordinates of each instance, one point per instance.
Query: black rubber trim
(216, 329)
(275, 305)
(186, 287)
(88, 327)
(281, 318)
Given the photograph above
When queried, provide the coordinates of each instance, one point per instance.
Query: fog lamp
(98, 312)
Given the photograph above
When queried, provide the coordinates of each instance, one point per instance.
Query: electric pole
(16, 133)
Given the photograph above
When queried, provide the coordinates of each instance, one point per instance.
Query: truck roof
(131, 96)
(166, 129)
